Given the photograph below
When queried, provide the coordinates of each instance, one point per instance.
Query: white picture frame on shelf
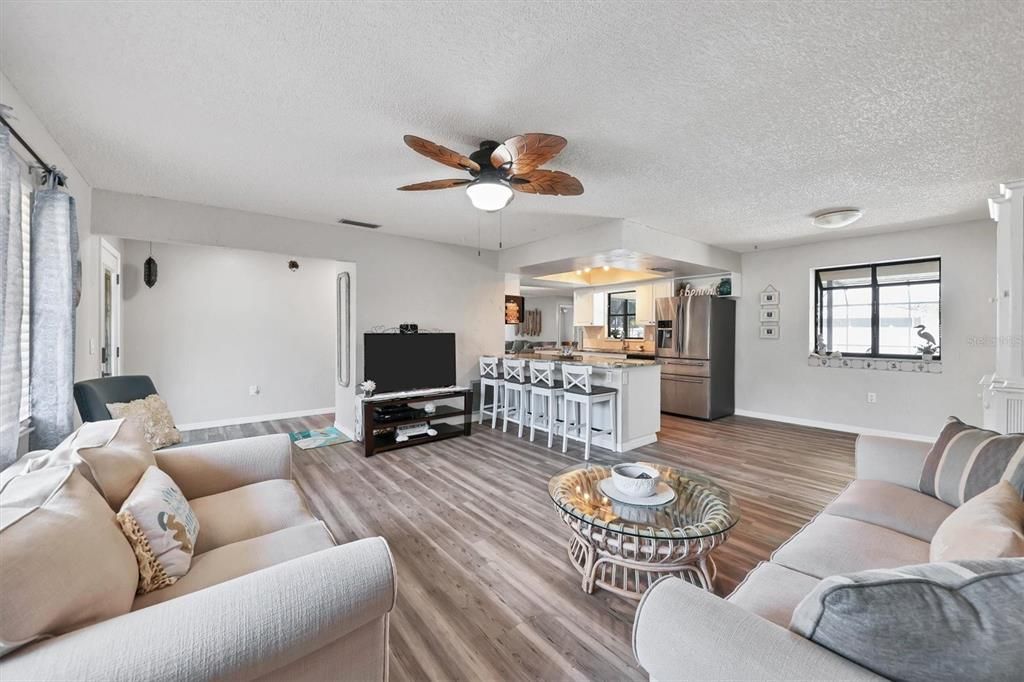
(770, 313)
(769, 331)
(770, 297)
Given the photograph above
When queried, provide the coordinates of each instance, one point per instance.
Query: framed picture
(514, 309)
(770, 313)
(769, 297)
(769, 331)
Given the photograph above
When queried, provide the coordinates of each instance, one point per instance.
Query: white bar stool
(581, 395)
(490, 375)
(543, 385)
(516, 384)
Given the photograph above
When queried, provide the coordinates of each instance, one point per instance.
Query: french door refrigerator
(695, 345)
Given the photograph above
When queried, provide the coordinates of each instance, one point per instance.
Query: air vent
(660, 269)
(358, 223)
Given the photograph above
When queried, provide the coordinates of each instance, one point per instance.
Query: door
(688, 396)
(666, 333)
(695, 326)
(566, 334)
(110, 309)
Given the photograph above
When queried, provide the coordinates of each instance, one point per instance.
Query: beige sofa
(268, 596)
(879, 521)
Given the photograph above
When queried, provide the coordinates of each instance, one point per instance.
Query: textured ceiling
(726, 122)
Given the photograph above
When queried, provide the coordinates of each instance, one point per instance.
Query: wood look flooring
(485, 589)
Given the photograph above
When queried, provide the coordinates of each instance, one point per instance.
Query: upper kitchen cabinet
(582, 308)
(646, 295)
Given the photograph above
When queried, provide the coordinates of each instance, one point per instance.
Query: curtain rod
(47, 168)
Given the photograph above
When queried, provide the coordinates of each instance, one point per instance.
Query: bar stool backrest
(542, 373)
(577, 377)
(514, 370)
(488, 367)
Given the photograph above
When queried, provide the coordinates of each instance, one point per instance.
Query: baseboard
(234, 421)
(831, 426)
(349, 433)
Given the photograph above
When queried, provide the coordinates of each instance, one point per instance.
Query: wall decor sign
(770, 296)
(514, 306)
(770, 313)
(769, 331)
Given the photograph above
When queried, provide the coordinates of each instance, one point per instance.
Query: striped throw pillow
(939, 622)
(966, 461)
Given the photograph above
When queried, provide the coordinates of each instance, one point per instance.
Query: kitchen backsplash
(596, 337)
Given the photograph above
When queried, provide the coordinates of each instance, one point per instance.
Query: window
(622, 316)
(880, 310)
(25, 410)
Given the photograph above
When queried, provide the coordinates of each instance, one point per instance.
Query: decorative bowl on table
(635, 480)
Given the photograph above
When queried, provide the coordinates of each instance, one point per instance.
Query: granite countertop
(585, 358)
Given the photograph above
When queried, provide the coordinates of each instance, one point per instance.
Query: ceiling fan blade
(435, 184)
(547, 182)
(441, 154)
(524, 153)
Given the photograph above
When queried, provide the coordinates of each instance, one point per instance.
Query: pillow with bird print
(159, 523)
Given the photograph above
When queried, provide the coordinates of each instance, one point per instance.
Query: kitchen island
(638, 400)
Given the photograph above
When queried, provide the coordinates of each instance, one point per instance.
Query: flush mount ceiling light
(489, 194)
(831, 220)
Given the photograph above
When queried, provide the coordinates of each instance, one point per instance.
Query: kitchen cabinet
(646, 295)
(582, 308)
(600, 317)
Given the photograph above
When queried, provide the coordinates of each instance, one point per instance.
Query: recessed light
(606, 268)
(586, 269)
(831, 220)
(579, 272)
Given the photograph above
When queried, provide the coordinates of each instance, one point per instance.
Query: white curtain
(11, 293)
(56, 272)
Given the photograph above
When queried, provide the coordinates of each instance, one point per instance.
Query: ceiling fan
(498, 169)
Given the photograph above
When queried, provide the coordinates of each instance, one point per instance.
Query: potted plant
(368, 387)
(927, 351)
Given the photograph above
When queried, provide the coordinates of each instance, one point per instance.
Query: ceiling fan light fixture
(832, 220)
(489, 195)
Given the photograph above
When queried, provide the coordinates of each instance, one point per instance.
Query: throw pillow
(988, 526)
(966, 461)
(159, 523)
(64, 563)
(153, 418)
(936, 622)
(112, 455)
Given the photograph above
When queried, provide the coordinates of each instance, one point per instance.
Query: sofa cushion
(241, 558)
(772, 592)
(966, 461)
(891, 506)
(162, 529)
(941, 621)
(988, 526)
(834, 544)
(248, 512)
(64, 563)
(112, 455)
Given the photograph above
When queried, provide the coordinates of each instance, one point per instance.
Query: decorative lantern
(149, 269)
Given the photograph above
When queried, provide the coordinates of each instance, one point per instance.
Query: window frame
(25, 337)
(874, 286)
(626, 317)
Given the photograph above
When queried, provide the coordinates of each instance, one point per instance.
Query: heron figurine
(929, 346)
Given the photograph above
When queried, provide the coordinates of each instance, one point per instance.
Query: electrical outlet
(872, 398)
(254, 390)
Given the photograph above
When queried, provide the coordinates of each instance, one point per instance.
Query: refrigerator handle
(680, 326)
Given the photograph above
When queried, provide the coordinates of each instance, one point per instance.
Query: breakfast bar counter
(638, 400)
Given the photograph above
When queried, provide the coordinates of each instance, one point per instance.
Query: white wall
(87, 364)
(773, 377)
(221, 320)
(548, 307)
(437, 286)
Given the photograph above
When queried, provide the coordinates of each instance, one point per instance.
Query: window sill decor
(877, 364)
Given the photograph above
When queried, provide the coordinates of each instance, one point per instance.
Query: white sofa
(269, 595)
(878, 521)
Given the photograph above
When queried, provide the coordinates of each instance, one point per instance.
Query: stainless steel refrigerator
(695, 345)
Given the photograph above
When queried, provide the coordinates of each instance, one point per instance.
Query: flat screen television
(405, 362)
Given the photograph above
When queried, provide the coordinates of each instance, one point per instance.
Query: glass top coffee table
(624, 547)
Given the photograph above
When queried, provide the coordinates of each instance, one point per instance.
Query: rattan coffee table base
(628, 566)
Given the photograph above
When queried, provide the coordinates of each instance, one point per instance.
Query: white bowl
(631, 480)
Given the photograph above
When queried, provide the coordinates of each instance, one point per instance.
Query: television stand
(379, 436)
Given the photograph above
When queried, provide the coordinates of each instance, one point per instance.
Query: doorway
(566, 331)
(110, 309)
